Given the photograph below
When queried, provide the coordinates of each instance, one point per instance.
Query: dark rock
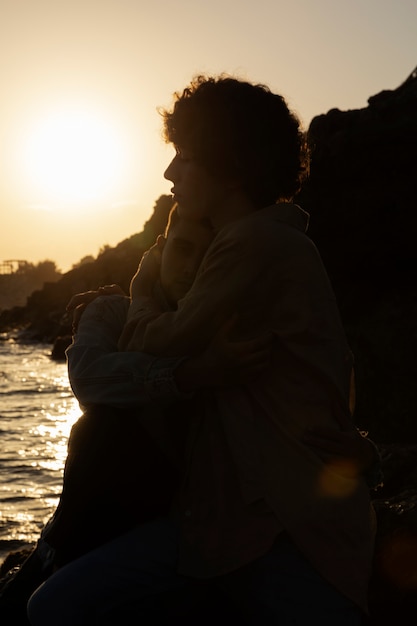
(21, 573)
(61, 343)
(393, 588)
(362, 198)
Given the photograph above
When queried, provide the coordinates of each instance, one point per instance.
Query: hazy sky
(81, 153)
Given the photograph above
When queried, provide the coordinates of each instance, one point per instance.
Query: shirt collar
(289, 213)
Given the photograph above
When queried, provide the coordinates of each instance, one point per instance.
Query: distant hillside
(43, 318)
(17, 285)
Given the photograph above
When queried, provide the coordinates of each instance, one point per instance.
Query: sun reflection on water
(38, 412)
(55, 432)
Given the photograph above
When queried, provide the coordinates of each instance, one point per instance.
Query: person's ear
(160, 242)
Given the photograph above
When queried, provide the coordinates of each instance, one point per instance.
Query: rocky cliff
(362, 197)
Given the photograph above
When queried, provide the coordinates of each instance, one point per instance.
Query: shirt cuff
(160, 381)
(141, 305)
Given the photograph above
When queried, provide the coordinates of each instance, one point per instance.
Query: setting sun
(74, 156)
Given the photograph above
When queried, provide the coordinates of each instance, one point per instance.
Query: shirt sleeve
(99, 374)
(221, 285)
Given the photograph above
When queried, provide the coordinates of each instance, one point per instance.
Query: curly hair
(240, 130)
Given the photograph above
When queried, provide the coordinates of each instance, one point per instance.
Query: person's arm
(79, 302)
(220, 282)
(99, 374)
(224, 362)
(219, 289)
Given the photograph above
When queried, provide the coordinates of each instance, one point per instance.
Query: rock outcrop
(362, 197)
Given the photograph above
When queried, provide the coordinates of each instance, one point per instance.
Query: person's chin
(183, 212)
(190, 213)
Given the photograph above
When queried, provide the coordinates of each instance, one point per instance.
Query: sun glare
(75, 156)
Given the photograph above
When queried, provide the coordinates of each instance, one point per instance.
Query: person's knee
(44, 608)
(37, 608)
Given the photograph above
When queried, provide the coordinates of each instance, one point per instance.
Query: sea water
(37, 411)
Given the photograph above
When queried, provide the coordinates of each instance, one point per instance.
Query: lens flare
(338, 479)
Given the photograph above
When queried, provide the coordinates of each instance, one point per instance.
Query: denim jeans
(133, 581)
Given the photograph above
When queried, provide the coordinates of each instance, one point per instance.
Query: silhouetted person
(284, 529)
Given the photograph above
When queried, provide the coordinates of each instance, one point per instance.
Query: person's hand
(79, 301)
(345, 445)
(226, 362)
(86, 297)
(143, 282)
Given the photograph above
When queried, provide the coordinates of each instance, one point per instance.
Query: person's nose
(170, 172)
(190, 268)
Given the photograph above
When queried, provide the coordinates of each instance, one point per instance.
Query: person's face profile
(182, 252)
(199, 193)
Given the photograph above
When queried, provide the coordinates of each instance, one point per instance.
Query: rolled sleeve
(99, 374)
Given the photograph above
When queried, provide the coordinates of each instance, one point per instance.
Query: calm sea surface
(37, 410)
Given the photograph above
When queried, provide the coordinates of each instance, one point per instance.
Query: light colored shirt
(100, 374)
(249, 473)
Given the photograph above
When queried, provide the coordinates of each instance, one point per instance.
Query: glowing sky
(81, 156)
